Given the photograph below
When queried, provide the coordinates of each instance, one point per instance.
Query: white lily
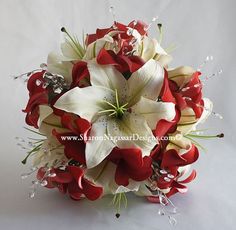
(62, 63)
(150, 48)
(119, 108)
(94, 48)
(51, 150)
(104, 175)
(188, 121)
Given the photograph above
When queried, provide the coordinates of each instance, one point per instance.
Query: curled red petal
(91, 191)
(172, 158)
(191, 156)
(79, 72)
(74, 191)
(62, 177)
(166, 94)
(77, 173)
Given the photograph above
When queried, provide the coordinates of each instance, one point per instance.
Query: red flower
(170, 160)
(164, 127)
(120, 28)
(121, 35)
(60, 180)
(80, 185)
(38, 95)
(122, 63)
(79, 72)
(191, 97)
(72, 181)
(176, 186)
(74, 140)
(130, 164)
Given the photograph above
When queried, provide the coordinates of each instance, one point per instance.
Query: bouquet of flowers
(112, 117)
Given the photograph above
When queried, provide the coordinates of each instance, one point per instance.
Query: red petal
(139, 26)
(74, 148)
(82, 125)
(62, 177)
(121, 176)
(79, 72)
(77, 173)
(133, 62)
(74, 191)
(166, 94)
(172, 158)
(143, 172)
(91, 191)
(191, 156)
(105, 58)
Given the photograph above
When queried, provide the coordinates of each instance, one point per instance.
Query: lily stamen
(116, 110)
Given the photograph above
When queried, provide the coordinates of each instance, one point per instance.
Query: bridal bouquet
(111, 117)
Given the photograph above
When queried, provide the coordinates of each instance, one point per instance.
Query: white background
(30, 29)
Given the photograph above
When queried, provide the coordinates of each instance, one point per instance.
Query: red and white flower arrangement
(114, 118)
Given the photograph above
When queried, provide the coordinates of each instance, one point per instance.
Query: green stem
(196, 143)
(35, 149)
(77, 49)
(34, 131)
(206, 136)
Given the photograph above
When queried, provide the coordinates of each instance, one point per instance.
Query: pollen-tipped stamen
(116, 109)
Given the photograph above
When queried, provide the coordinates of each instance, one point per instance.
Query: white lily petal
(98, 148)
(187, 121)
(57, 65)
(132, 132)
(49, 123)
(69, 52)
(85, 102)
(181, 75)
(161, 55)
(94, 48)
(132, 186)
(164, 59)
(154, 111)
(135, 34)
(107, 76)
(147, 48)
(104, 175)
(158, 48)
(44, 112)
(143, 190)
(179, 143)
(146, 81)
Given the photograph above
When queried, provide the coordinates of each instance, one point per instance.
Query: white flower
(188, 121)
(51, 150)
(94, 48)
(150, 48)
(104, 175)
(62, 63)
(119, 108)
